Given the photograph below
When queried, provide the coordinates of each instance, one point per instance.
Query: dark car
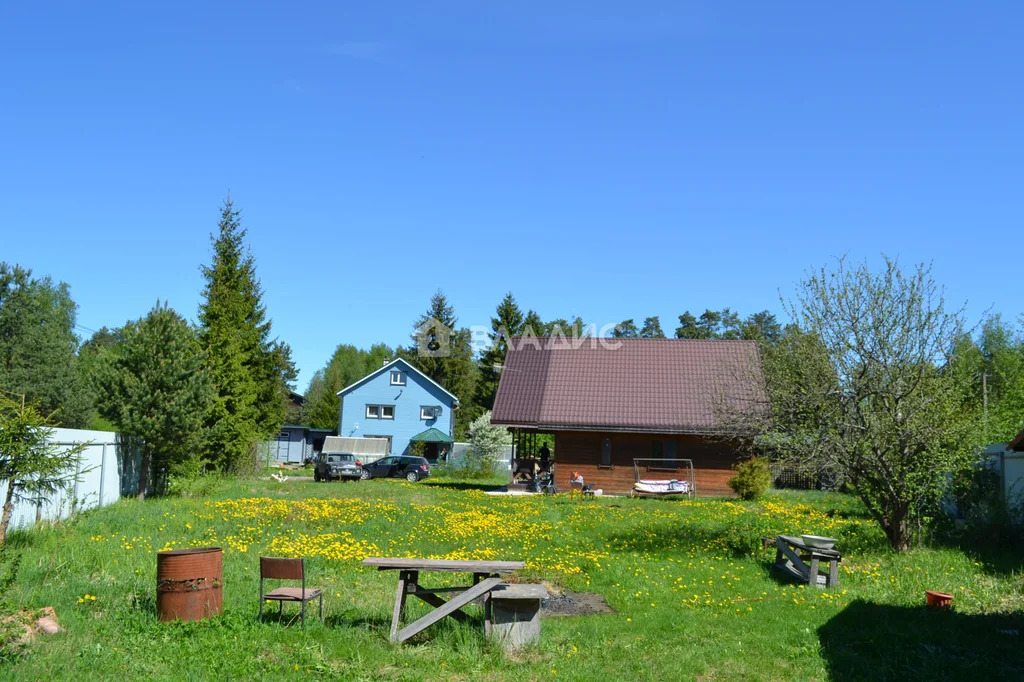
(332, 467)
(398, 466)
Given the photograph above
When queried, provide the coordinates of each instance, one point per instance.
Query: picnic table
(801, 561)
(485, 579)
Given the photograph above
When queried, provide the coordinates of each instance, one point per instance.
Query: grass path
(693, 589)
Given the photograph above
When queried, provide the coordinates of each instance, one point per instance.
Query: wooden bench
(515, 613)
(805, 568)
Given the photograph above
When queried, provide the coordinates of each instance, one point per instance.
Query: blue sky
(607, 160)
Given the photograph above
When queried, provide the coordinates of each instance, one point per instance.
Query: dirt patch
(568, 603)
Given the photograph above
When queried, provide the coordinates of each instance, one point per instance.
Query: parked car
(337, 467)
(398, 466)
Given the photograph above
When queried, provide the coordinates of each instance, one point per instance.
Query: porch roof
(432, 435)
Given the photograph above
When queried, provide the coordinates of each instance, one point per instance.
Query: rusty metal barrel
(189, 583)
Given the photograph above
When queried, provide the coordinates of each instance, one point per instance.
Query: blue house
(402, 404)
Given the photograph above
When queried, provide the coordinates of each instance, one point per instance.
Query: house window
(606, 452)
(397, 378)
(429, 412)
(380, 411)
(664, 450)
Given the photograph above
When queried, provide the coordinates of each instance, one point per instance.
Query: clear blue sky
(609, 160)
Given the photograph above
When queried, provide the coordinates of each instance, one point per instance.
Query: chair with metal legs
(274, 568)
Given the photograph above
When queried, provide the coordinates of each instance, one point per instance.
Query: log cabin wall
(582, 450)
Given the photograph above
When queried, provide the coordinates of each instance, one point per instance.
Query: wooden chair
(288, 569)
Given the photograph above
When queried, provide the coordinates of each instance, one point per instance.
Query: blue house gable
(396, 402)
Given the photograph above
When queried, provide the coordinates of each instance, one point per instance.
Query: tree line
(191, 396)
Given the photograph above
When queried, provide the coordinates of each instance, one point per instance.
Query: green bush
(753, 478)
(191, 479)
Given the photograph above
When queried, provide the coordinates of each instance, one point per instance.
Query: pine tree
(652, 329)
(625, 330)
(688, 327)
(250, 370)
(762, 327)
(155, 387)
(508, 323)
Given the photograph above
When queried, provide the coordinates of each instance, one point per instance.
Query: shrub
(753, 478)
(191, 479)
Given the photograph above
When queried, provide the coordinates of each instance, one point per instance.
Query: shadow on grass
(868, 641)
(462, 485)
(997, 548)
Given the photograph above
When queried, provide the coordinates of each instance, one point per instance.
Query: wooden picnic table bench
(805, 568)
(485, 579)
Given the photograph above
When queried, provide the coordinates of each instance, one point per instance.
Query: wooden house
(608, 402)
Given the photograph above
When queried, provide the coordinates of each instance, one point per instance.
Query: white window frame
(387, 407)
(397, 377)
(427, 412)
(376, 412)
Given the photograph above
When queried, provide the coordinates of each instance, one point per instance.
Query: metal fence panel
(99, 473)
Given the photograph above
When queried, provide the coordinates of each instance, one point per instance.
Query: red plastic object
(938, 600)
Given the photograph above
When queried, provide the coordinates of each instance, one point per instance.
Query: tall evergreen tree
(38, 346)
(563, 327)
(250, 370)
(155, 387)
(762, 327)
(92, 355)
(533, 325)
(507, 323)
(444, 353)
(729, 326)
(689, 328)
(652, 329)
(625, 330)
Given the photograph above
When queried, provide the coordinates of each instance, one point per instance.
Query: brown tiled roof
(647, 385)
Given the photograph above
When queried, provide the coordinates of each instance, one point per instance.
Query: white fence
(100, 476)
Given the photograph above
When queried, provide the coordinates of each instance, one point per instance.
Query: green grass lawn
(692, 586)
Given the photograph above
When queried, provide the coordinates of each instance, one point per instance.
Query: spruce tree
(447, 361)
(249, 369)
(507, 323)
(533, 325)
